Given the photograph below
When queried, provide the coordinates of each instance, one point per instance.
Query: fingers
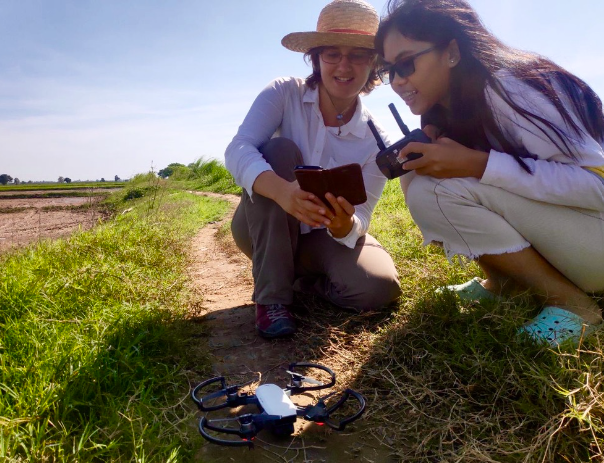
(432, 131)
(340, 206)
(307, 208)
(312, 211)
(413, 147)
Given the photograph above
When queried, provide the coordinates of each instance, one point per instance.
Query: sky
(91, 89)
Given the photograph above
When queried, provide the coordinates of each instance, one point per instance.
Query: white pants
(472, 219)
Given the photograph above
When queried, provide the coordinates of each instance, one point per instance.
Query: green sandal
(470, 291)
(555, 325)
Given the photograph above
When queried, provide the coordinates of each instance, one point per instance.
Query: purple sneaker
(274, 320)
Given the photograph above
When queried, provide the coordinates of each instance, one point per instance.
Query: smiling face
(430, 83)
(345, 80)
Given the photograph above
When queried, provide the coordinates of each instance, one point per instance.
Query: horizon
(95, 89)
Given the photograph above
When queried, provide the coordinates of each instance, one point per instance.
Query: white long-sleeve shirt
(287, 107)
(556, 178)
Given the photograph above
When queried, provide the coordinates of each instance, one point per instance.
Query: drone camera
(388, 159)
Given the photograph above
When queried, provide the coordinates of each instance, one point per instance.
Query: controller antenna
(398, 119)
(376, 135)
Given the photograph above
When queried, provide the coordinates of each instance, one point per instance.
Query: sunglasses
(334, 56)
(403, 68)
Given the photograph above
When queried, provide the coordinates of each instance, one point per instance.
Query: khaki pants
(284, 260)
(472, 219)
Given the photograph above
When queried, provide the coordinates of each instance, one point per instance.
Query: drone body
(276, 410)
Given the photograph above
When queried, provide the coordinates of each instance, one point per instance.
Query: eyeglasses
(334, 56)
(404, 67)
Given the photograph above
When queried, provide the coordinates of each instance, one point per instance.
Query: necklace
(340, 114)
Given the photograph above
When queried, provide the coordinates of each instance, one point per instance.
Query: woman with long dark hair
(297, 241)
(514, 177)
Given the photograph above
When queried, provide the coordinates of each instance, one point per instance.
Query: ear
(453, 54)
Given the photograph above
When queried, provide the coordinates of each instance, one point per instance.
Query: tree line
(6, 179)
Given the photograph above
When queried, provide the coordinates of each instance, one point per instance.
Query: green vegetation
(62, 186)
(94, 347)
(93, 364)
(454, 383)
(202, 175)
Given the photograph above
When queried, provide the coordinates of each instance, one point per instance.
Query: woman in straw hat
(515, 176)
(296, 241)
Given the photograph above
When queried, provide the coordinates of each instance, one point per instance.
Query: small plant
(134, 193)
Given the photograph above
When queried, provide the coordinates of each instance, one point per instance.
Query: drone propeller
(320, 412)
(247, 431)
(233, 398)
(304, 379)
(297, 379)
(249, 425)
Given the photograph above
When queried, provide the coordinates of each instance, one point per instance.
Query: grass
(453, 382)
(205, 175)
(94, 347)
(95, 351)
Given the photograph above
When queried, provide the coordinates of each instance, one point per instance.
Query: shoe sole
(280, 334)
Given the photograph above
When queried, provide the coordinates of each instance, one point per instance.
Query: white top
(287, 107)
(274, 400)
(556, 179)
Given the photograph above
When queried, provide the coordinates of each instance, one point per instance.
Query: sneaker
(274, 320)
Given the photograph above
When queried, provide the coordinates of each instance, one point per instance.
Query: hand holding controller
(387, 159)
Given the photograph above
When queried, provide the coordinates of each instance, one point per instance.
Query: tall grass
(206, 175)
(92, 339)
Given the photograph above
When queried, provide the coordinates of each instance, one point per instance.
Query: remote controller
(387, 159)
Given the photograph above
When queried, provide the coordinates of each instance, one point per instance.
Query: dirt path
(223, 276)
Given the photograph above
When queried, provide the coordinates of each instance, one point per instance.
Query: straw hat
(350, 23)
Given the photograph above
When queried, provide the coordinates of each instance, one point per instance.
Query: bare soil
(27, 220)
(222, 274)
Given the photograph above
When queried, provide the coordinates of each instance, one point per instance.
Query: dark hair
(481, 56)
(312, 80)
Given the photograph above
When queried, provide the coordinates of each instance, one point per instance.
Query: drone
(276, 411)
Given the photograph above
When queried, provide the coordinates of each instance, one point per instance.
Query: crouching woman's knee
(375, 290)
(421, 196)
(433, 201)
(384, 290)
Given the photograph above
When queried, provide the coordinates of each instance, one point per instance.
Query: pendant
(340, 116)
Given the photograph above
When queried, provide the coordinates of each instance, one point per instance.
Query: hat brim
(304, 41)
